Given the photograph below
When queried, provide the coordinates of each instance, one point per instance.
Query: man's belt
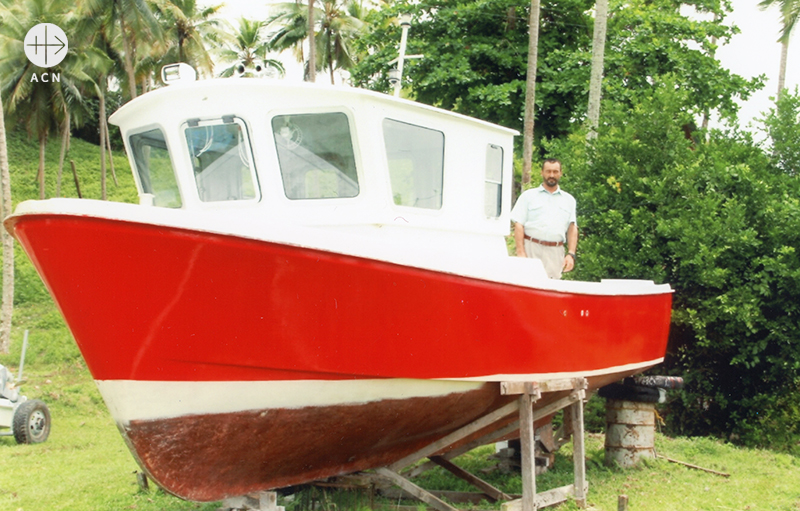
(545, 243)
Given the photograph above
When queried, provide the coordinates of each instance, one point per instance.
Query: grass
(84, 464)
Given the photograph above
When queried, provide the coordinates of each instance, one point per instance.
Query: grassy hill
(85, 466)
(33, 306)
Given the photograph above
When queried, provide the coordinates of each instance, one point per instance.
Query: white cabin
(269, 160)
(322, 155)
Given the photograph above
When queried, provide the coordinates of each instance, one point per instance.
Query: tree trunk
(64, 149)
(127, 49)
(706, 114)
(530, 92)
(598, 55)
(42, 145)
(102, 127)
(312, 44)
(782, 72)
(110, 153)
(8, 243)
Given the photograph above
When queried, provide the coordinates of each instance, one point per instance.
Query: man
(544, 221)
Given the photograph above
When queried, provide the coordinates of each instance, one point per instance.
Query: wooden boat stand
(529, 393)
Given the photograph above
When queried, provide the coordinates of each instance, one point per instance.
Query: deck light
(394, 77)
(177, 73)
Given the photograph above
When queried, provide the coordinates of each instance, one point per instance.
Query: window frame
(442, 198)
(133, 151)
(354, 148)
(487, 181)
(248, 150)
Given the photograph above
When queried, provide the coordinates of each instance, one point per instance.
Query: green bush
(720, 221)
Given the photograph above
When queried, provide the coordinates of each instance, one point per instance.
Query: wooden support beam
(457, 435)
(528, 444)
(261, 501)
(491, 437)
(529, 393)
(490, 491)
(521, 387)
(415, 491)
(544, 499)
(579, 450)
(449, 455)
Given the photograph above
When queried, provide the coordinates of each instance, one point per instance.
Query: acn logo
(46, 45)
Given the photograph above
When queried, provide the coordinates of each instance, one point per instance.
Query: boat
(315, 281)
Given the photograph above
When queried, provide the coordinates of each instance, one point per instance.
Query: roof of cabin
(245, 91)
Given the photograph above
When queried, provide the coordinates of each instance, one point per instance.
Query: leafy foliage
(475, 58)
(648, 40)
(475, 55)
(246, 46)
(721, 224)
(781, 124)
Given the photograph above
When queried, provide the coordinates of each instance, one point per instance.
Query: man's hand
(569, 263)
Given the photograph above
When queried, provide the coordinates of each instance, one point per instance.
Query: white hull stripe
(565, 375)
(129, 400)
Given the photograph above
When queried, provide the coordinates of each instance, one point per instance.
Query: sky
(755, 51)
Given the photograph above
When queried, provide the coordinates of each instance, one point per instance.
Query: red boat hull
(149, 303)
(200, 306)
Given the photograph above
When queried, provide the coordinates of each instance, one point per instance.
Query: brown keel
(212, 457)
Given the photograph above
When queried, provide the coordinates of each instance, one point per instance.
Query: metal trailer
(28, 420)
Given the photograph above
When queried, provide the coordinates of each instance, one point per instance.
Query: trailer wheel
(31, 422)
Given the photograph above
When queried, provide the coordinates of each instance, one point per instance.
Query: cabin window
(315, 153)
(221, 160)
(494, 180)
(416, 164)
(154, 167)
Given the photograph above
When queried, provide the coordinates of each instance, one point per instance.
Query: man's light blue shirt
(546, 216)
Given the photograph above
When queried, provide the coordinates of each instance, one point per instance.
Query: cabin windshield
(416, 164)
(315, 153)
(494, 180)
(154, 168)
(221, 160)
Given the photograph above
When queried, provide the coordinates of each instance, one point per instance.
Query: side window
(315, 153)
(494, 180)
(416, 164)
(154, 167)
(221, 160)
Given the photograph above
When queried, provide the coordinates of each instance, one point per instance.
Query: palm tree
(94, 33)
(289, 29)
(790, 12)
(186, 27)
(42, 107)
(8, 242)
(598, 55)
(130, 21)
(245, 48)
(312, 45)
(337, 25)
(530, 92)
(338, 29)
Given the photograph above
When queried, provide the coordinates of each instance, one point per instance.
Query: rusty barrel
(630, 432)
